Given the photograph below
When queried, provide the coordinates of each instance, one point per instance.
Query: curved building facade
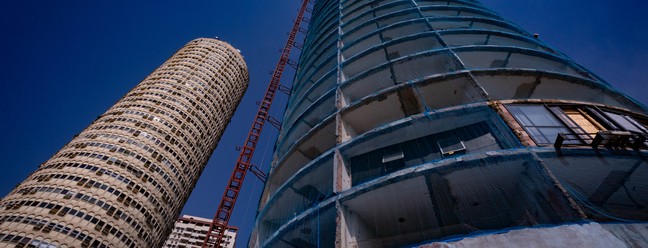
(419, 122)
(123, 180)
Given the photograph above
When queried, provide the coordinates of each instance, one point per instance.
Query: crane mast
(221, 219)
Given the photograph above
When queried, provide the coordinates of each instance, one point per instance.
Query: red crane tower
(221, 220)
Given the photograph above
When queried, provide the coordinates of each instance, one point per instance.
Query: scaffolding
(420, 121)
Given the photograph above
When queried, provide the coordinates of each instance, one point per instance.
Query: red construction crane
(221, 219)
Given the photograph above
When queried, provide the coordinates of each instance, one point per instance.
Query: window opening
(450, 146)
(572, 124)
(626, 122)
(382, 161)
(585, 121)
(540, 124)
(392, 157)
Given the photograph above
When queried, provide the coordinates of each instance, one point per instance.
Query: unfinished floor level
(439, 123)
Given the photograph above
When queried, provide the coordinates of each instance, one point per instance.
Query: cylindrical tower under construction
(420, 121)
(123, 180)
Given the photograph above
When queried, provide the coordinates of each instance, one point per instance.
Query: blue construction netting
(392, 136)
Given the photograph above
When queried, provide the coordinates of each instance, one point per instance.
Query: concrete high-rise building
(189, 232)
(425, 122)
(123, 180)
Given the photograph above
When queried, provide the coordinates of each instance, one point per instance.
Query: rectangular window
(584, 120)
(451, 145)
(392, 157)
(579, 124)
(64, 211)
(74, 233)
(475, 137)
(542, 126)
(627, 122)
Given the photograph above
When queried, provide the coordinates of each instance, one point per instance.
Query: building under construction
(426, 123)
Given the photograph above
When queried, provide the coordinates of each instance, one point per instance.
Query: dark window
(581, 120)
(577, 124)
(540, 124)
(626, 122)
(472, 138)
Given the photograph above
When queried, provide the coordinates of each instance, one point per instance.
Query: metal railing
(607, 138)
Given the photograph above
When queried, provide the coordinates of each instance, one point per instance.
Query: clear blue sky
(63, 63)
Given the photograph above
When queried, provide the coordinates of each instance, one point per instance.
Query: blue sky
(63, 63)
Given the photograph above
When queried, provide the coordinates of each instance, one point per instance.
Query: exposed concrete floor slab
(576, 235)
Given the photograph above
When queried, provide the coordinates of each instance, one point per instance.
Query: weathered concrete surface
(576, 235)
(634, 235)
